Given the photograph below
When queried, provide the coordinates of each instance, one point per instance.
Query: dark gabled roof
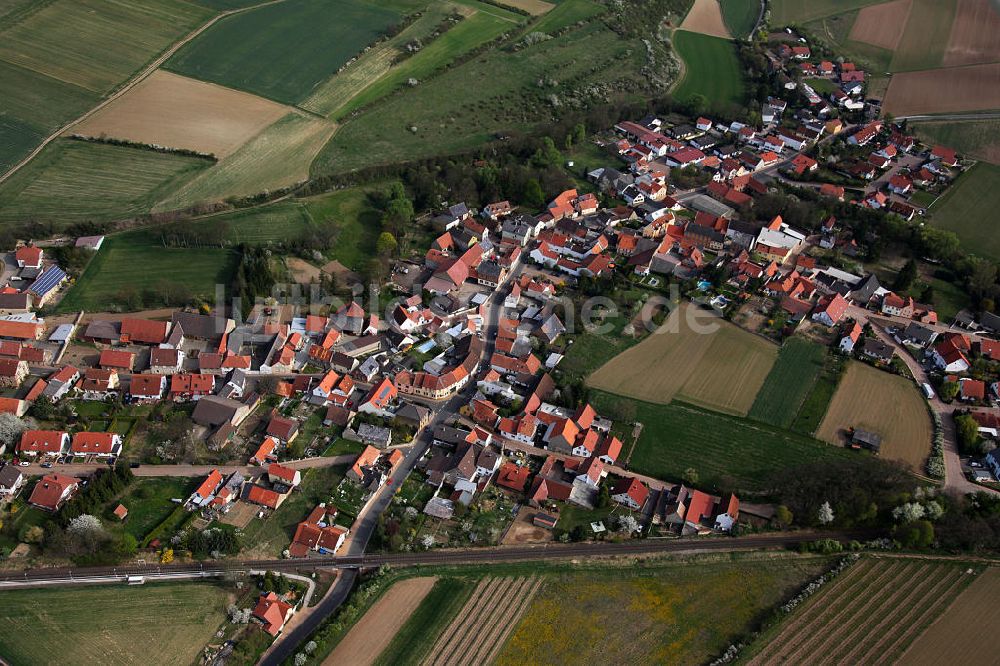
(213, 410)
(918, 333)
(990, 321)
(865, 289)
(200, 326)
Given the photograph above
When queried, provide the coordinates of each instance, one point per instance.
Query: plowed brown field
(957, 637)
(372, 634)
(889, 405)
(706, 17)
(174, 111)
(975, 34)
(882, 25)
(950, 90)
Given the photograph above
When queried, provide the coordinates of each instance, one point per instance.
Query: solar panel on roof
(48, 280)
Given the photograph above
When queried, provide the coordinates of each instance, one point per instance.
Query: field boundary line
(131, 83)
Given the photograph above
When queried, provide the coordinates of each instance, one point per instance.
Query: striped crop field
(867, 615)
(481, 628)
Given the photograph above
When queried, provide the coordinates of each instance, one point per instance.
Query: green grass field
(97, 44)
(357, 224)
(711, 69)
(283, 51)
(728, 452)
(412, 642)
(148, 503)
(789, 12)
(566, 13)
(32, 106)
(676, 613)
(976, 138)
(789, 382)
(111, 624)
(740, 16)
(72, 181)
(274, 223)
(277, 157)
(467, 35)
(969, 209)
(334, 93)
(445, 122)
(138, 260)
(817, 400)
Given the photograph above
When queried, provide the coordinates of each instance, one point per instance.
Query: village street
(955, 479)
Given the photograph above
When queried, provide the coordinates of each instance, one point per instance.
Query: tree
(948, 391)
(386, 244)
(533, 195)
(690, 476)
(906, 276)
(43, 409)
(11, 428)
(825, 515)
(918, 534)
(968, 433)
(907, 513)
(33, 534)
(783, 515)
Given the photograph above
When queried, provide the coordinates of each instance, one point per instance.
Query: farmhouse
(318, 533)
(272, 613)
(630, 492)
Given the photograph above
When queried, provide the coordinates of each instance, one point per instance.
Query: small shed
(120, 512)
(544, 520)
(864, 439)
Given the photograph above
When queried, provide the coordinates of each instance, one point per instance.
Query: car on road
(46, 465)
(25, 464)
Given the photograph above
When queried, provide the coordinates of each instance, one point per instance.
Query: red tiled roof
(93, 442)
(286, 474)
(41, 441)
(113, 358)
(49, 490)
(513, 477)
(145, 331)
(263, 496)
(272, 612)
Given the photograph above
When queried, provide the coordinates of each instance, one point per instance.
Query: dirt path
(138, 78)
(372, 634)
